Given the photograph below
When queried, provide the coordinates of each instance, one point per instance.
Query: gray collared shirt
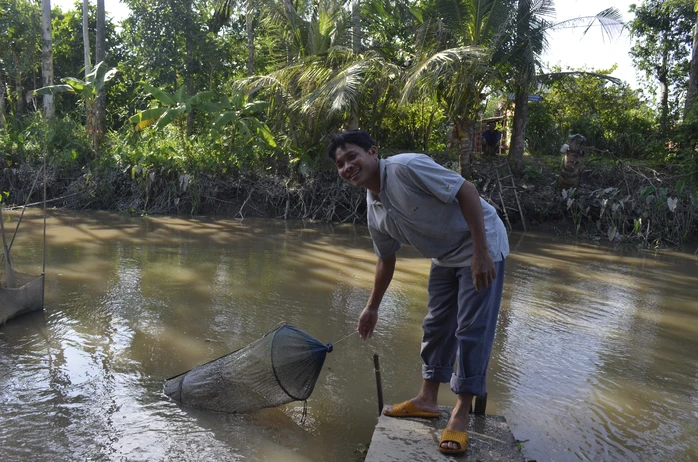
(417, 206)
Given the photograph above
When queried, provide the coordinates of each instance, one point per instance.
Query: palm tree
(324, 80)
(453, 63)
(524, 44)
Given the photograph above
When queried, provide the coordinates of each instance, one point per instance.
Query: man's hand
(482, 269)
(367, 322)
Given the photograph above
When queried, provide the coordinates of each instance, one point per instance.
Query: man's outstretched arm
(369, 316)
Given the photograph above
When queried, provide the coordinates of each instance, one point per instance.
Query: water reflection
(593, 359)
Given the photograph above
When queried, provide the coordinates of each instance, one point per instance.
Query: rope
(345, 337)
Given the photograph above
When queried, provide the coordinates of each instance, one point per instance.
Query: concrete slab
(418, 439)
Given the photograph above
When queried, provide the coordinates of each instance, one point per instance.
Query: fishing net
(19, 293)
(279, 368)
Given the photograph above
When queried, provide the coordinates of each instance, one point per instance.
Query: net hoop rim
(273, 368)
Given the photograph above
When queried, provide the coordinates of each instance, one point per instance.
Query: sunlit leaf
(209, 107)
(54, 89)
(147, 117)
(255, 107)
(76, 84)
(169, 115)
(224, 119)
(202, 96)
(672, 202)
(264, 132)
(181, 94)
(159, 94)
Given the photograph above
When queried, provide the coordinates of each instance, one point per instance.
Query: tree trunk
(692, 94)
(290, 17)
(189, 63)
(20, 95)
(2, 100)
(86, 53)
(100, 56)
(86, 34)
(47, 57)
(570, 174)
(518, 131)
(465, 129)
(662, 77)
(663, 101)
(249, 27)
(356, 26)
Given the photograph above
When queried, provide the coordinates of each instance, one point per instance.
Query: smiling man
(413, 200)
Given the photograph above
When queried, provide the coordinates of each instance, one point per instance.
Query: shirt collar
(382, 167)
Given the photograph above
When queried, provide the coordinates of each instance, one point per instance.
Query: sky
(568, 48)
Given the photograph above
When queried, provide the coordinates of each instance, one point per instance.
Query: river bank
(616, 201)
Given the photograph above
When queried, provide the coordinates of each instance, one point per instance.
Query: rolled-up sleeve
(384, 245)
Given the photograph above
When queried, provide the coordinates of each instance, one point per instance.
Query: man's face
(355, 165)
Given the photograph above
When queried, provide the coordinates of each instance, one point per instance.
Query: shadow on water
(593, 355)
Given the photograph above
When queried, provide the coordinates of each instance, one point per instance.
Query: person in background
(413, 200)
(490, 140)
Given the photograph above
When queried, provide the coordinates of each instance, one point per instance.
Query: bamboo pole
(379, 383)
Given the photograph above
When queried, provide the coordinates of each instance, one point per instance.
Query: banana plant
(88, 90)
(243, 115)
(173, 106)
(239, 112)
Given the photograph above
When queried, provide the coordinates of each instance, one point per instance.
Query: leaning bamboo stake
(379, 383)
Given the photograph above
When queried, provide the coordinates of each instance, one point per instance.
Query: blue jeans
(459, 328)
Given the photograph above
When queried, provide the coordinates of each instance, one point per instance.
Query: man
(413, 200)
(490, 139)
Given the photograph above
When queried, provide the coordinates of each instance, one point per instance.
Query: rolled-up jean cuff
(440, 374)
(473, 385)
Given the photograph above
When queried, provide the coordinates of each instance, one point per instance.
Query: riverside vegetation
(230, 115)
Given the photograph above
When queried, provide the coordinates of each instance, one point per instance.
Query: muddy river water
(596, 354)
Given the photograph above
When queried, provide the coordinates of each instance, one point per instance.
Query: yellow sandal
(407, 409)
(453, 436)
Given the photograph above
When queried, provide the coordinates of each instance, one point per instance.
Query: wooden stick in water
(379, 384)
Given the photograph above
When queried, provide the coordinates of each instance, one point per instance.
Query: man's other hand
(482, 268)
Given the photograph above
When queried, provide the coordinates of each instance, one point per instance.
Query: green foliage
(66, 141)
(652, 216)
(663, 32)
(20, 48)
(69, 61)
(173, 106)
(246, 128)
(611, 117)
(88, 90)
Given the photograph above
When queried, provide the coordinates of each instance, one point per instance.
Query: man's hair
(360, 138)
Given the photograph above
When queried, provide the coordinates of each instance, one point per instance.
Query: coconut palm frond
(338, 93)
(548, 77)
(222, 12)
(432, 70)
(610, 20)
